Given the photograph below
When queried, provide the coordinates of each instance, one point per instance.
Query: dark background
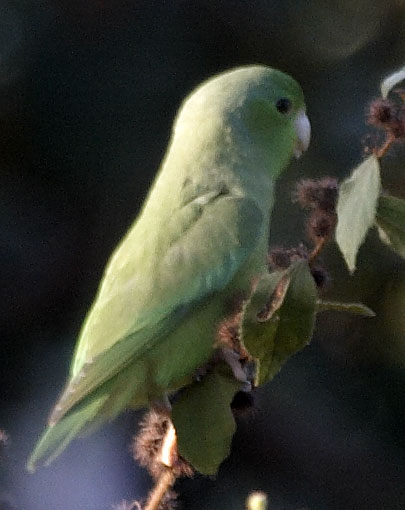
(88, 92)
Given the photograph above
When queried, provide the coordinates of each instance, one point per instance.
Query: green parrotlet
(197, 246)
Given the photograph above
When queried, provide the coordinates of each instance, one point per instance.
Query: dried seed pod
(317, 194)
(320, 224)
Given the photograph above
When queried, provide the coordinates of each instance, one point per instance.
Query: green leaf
(336, 306)
(390, 221)
(203, 419)
(268, 296)
(391, 81)
(271, 343)
(356, 208)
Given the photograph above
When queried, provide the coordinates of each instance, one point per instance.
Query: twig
(317, 249)
(167, 477)
(163, 484)
(386, 146)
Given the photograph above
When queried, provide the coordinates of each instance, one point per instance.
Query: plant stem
(317, 249)
(163, 483)
(387, 144)
(167, 477)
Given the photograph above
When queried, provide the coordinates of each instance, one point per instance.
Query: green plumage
(198, 243)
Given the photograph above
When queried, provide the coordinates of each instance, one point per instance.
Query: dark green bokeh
(88, 94)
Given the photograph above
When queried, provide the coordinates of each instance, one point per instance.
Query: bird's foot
(243, 369)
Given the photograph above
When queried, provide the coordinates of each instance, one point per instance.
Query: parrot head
(258, 105)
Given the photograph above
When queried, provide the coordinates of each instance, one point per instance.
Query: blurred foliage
(256, 501)
(390, 220)
(88, 94)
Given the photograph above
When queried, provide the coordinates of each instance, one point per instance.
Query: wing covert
(216, 238)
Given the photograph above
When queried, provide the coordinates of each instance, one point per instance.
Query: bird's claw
(243, 370)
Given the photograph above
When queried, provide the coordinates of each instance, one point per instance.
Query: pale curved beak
(303, 130)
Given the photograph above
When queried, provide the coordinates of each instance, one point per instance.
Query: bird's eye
(283, 105)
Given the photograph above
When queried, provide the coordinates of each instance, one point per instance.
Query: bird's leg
(242, 369)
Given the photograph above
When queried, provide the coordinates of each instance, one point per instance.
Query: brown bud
(388, 115)
(317, 194)
(147, 443)
(381, 112)
(320, 225)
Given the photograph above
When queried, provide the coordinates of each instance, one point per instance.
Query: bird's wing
(208, 240)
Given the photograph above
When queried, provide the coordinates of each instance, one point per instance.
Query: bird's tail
(101, 406)
(56, 438)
